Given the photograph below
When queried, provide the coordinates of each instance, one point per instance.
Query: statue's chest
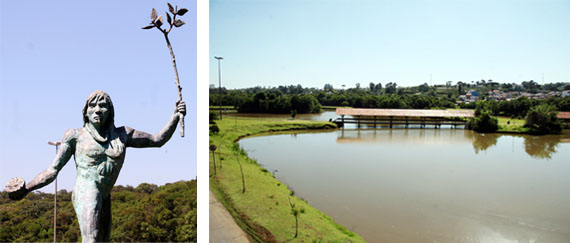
(103, 158)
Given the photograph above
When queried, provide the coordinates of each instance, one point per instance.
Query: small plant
(296, 212)
(220, 156)
(293, 114)
(213, 148)
(242, 175)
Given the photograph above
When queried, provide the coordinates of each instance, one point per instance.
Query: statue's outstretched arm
(140, 139)
(66, 149)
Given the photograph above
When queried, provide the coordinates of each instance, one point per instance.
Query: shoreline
(264, 211)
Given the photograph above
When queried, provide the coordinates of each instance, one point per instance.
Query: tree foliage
(145, 213)
(483, 121)
(542, 119)
(270, 102)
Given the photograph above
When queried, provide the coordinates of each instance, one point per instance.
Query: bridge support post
(342, 121)
(374, 122)
(390, 122)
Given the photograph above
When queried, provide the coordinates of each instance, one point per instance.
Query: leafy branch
(157, 22)
(296, 212)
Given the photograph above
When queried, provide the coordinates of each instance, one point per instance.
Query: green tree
(542, 119)
(483, 121)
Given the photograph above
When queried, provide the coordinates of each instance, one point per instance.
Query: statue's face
(98, 111)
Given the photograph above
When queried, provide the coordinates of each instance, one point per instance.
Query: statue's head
(98, 110)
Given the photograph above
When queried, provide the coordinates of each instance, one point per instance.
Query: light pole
(220, 80)
(56, 144)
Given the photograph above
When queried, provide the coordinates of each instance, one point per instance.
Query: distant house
(496, 95)
(565, 93)
(472, 96)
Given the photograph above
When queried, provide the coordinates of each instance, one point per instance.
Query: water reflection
(428, 185)
(540, 147)
(482, 142)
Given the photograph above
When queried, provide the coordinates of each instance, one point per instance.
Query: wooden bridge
(402, 117)
(564, 117)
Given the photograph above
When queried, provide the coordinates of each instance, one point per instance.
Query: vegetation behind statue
(145, 213)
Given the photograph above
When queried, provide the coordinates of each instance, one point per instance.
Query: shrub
(213, 116)
(542, 119)
(214, 129)
(483, 121)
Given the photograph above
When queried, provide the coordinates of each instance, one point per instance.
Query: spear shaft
(157, 21)
(177, 81)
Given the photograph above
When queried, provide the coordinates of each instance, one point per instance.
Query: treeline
(362, 99)
(519, 107)
(274, 101)
(146, 213)
(309, 100)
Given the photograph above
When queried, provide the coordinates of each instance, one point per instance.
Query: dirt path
(223, 228)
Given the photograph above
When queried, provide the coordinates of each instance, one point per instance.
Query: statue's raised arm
(139, 139)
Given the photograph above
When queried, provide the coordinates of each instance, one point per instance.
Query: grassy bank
(224, 107)
(508, 125)
(264, 210)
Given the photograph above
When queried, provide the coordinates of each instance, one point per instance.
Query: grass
(225, 107)
(263, 211)
(506, 124)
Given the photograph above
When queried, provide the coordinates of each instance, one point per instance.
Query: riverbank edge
(256, 231)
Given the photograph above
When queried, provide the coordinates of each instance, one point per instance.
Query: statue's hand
(16, 188)
(181, 108)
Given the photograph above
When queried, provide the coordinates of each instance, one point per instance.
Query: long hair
(97, 95)
(117, 147)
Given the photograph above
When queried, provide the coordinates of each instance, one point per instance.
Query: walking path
(223, 228)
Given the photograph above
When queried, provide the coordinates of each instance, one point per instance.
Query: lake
(428, 185)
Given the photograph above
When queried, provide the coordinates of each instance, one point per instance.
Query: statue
(99, 151)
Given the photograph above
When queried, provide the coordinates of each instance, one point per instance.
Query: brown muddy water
(428, 185)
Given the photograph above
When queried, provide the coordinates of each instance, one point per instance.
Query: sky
(54, 54)
(410, 42)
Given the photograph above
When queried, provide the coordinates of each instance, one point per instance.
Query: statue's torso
(94, 165)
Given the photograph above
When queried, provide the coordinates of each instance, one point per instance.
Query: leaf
(159, 21)
(170, 8)
(168, 19)
(179, 23)
(181, 11)
(148, 27)
(153, 15)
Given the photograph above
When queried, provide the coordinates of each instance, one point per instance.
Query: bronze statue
(99, 151)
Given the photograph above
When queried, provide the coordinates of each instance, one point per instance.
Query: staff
(157, 21)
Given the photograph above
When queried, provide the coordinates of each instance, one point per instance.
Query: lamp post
(220, 81)
(56, 144)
